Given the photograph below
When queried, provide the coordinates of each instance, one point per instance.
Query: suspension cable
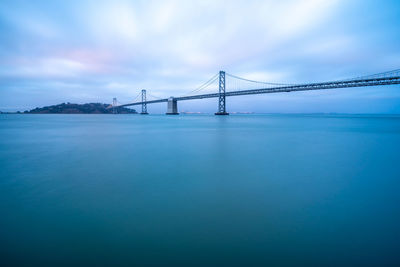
(253, 81)
(384, 74)
(136, 97)
(156, 97)
(204, 85)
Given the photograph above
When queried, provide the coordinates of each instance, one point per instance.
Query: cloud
(108, 48)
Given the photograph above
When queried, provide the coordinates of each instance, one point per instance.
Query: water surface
(241, 190)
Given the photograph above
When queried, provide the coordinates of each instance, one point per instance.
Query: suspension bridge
(217, 87)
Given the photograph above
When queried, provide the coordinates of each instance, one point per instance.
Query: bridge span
(385, 78)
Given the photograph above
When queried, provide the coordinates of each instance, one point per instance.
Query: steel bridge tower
(144, 103)
(221, 95)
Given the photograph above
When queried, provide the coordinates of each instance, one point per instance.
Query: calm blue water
(199, 190)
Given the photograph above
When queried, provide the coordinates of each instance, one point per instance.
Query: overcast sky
(91, 51)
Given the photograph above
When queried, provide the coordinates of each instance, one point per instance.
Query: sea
(199, 190)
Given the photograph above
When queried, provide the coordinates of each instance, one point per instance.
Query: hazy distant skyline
(92, 51)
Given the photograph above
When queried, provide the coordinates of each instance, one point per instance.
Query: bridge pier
(114, 105)
(172, 106)
(144, 104)
(221, 97)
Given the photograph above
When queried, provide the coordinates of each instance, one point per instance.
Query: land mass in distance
(69, 108)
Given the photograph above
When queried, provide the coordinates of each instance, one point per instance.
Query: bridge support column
(144, 104)
(114, 105)
(172, 108)
(221, 98)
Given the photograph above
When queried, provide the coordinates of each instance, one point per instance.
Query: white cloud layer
(105, 48)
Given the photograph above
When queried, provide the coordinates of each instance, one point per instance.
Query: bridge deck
(289, 88)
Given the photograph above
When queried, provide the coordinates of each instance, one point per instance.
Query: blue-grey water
(244, 190)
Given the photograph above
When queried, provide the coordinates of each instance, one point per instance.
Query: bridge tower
(172, 108)
(221, 98)
(114, 105)
(144, 104)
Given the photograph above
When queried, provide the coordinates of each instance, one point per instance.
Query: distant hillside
(90, 108)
